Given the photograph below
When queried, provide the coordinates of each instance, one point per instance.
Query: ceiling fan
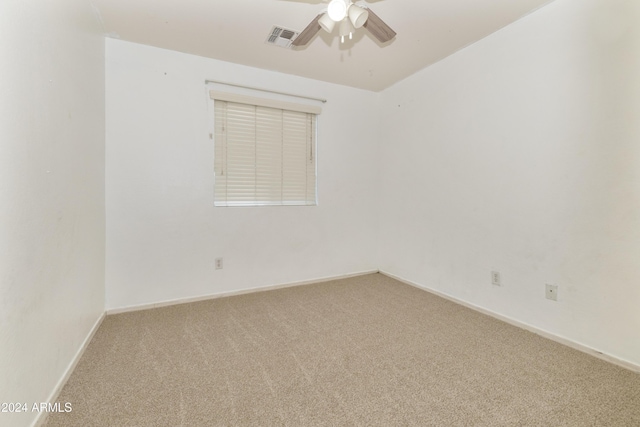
(349, 16)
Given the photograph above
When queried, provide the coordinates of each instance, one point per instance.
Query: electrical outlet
(495, 278)
(218, 263)
(552, 292)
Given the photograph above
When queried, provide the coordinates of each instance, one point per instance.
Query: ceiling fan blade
(307, 34)
(378, 28)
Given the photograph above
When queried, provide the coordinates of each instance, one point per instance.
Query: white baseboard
(559, 339)
(232, 293)
(42, 416)
(40, 419)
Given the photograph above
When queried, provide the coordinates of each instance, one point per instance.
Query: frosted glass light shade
(358, 16)
(337, 10)
(327, 23)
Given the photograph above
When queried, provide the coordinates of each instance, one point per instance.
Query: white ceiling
(236, 30)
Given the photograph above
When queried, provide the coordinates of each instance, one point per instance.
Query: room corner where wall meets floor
(52, 215)
(162, 226)
(263, 288)
(546, 334)
(364, 350)
(519, 155)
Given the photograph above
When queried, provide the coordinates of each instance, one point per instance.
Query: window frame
(286, 105)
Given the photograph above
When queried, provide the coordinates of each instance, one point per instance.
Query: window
(264, 151)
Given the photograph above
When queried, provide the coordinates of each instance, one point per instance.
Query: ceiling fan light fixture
(346, 29)
(358, 15)
(327, 23)
(337, 10)
(350, 17)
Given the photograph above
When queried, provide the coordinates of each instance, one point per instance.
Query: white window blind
(263, 155)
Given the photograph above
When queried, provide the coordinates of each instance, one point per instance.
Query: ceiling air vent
(282, 37)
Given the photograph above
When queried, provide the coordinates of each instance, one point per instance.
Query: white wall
(163, 232)
(51, 193)
(520, 154)
(517, 154)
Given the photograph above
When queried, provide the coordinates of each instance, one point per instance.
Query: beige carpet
(366, 351)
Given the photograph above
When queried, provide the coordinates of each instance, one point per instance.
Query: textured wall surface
(163, 232)
(520, 154)
(51, 193)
